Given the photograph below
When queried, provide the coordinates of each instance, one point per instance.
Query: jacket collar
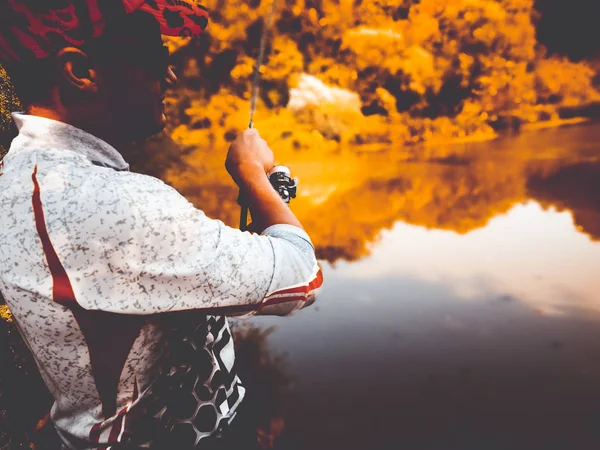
(41, 133)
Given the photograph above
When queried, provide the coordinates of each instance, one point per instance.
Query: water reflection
(347, 199)
(575, 188)
(462, 307)
(462, 302)
(263, 374)
(440, 340)
(537, 256)
(399, 362)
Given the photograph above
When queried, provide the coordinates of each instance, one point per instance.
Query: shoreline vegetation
(358, 75)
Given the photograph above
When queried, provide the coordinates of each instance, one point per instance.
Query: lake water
(461, 305)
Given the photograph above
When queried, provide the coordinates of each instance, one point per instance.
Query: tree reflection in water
(346, 199)
(575, 188)
(267, 384)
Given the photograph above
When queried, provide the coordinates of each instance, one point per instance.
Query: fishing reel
(283, 183)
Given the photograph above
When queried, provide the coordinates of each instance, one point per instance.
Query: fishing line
(253, 99)
(259, 61)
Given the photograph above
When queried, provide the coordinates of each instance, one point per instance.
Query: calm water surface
(461, 308)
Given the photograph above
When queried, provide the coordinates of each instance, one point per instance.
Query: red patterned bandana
(34, 29)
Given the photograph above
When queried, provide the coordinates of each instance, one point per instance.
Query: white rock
(313, 92)
(376, 32)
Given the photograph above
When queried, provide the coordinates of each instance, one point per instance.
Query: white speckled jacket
(120, 287)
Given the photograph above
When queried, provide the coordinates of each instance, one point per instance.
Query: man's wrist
(248, 174)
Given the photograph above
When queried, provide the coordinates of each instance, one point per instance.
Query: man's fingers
(248, 147)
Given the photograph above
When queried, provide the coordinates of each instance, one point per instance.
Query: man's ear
(76, 70)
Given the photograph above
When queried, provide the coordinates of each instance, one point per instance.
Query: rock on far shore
(311, 92)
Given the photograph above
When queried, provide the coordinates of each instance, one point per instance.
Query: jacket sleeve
(149, 251)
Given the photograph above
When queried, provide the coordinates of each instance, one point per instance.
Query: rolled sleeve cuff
(288, 232)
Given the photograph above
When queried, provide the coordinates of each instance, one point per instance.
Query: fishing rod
(259, 61)
(279, 176)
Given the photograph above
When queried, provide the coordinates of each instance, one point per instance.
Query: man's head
(111, 85)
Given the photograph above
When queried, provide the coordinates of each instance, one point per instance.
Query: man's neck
(41, 111)
(62, 115)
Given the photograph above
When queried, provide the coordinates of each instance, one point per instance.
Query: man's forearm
(266, 207)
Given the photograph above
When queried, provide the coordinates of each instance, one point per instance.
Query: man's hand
(248, 155)
(248, 161)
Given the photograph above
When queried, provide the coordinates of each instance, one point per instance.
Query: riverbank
(554, 123)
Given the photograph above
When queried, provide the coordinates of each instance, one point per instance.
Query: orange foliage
(8, 103)
(565, 83)
(427, 71)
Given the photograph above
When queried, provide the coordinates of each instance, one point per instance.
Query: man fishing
(119, 286)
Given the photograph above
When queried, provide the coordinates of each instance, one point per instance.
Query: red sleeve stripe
(297, 293)
(294, 294)
(305, 288)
